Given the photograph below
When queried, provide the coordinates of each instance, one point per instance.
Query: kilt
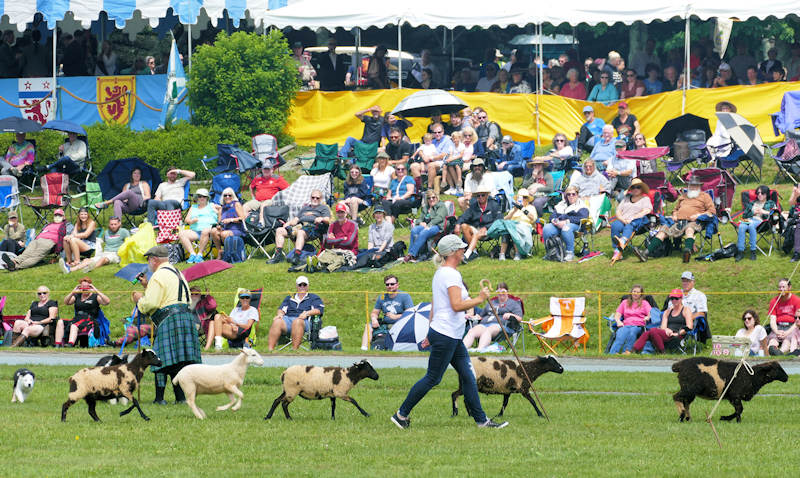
(176, 336)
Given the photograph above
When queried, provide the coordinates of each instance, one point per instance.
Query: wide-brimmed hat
(483, 188)
(538, 160)
(201, 192)
(383, 155)
(477, 162)
(642, 185)
(722, 104)
(523, 193)
(694, 181)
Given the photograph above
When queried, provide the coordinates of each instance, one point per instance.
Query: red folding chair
(54, 196)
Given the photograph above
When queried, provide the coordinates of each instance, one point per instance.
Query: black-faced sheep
(103, 383)
(706, 378)
(113, 359)
(504, 377)
(316, 383)
(211, 379)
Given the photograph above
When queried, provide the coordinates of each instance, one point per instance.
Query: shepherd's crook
(488, 285)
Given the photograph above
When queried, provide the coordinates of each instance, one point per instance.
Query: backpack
(175, 253)
(233, 250)
(253, 225)
(554, 249)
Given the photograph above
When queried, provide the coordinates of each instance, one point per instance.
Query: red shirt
(345, 236)
(264, 188)
(784, 310)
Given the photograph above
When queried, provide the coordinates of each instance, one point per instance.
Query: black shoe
(296, 260)
(795, 352)
(774, 351)
(752, 255)
(641, 253)
(180, 402)
(687, 256)
(10, 265)
(493, 424)
(159, 402)
(795, 257)
(277, 258)
(738, 256)
(401, 422)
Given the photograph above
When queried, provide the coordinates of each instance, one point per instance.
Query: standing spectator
(170, 193)
(604, 92)
(771, 62)
(305, 71)
(625, 123)
(489, 133)
(427, 79)
(263, 188)
(590, 130)
(107, 61)
(49, 239)
(14, 235)
(754, 331)
(41, 312)
(615, 67)
(573, 88)
(388, 309)
(373, 124)
(425, 63)
(476, 220)
(775, 74)
(486, 82)
(138, 68)
(112, 239)
(201, 218)
(150, 66)
(631, 317)
(86, 299)
(294, 315)
(652, 84)
(377, 71)
(631, 85)
(518, 84)
(430, 223)
(9, 67)
(133, 195)
(401, 197)
(641, 59)
(783, 314)
(393, 121)
(310, 223)
(741, 61)
(20, 153)
(37, 59)
(331, 68)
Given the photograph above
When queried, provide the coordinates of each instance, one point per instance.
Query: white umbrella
(427, 103)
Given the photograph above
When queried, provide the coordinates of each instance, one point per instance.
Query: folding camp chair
(364, 155)
(265, 146)
(230, 158)
(79, 177)
(249, 340)
(9, 193)
(365, 210)
(257, 237)
(90, 196)
(316, 325)
(221, 181)
(564, 327)
(168, 224)
(299, 192)
(54, 196)
(786, 155)
(327, 161)
(30, 174)
(769, 231)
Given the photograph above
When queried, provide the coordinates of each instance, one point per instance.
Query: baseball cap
(507, 139)
(724, 66)
(687, 275)
(477, 162)
(201, 192)
(13, 214)
(449, 244)
(244, 294)
(301, 280)
(266, 164)
(341, 207)
(588, 109)
(58, 212)
(157, 251)
(676, 293)
(378, 209)
(622, 104)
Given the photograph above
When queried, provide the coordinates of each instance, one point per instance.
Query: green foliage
(244, 81)
(47, 142)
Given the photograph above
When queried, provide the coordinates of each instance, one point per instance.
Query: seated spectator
(489, 133)
(401, 197)
(50, 239)
(519, 222)
(751, 78)
(476, 220)
(590, 131)
(169, 194)
(509, 315)
(382, 173)
(620, 171)
(589, 181)
(393, 121)
(14, 234)
(605, 148)
(486, 82)
(604, 92)
(112, 239)
(625, 123)
(632, 214)
(430, 223)
(770, 63)
(79, 241)
(373, 125)
(631, 317)
(398, 149)
(502, 83)
(204, 308)
(150, 66)
(86, 299)
(464, 82)
(470, 138)
(720, 144)
(342, 233)
(380, 235)
(294, 315)
(691, 205)
(676, 322)
(133, 195)
(237, 325)
(477, 178)
(510, 157)
(670, 82)
(755, 332)
(41, 312)
(263, 188)
(201, 218)
(561, 151)
(539, 184)
(309, 224)
(784, 311)
(695, 300)
(725, 76)
(388, 309)
(20, 153)
(754, 214)
(71, 156)
(444, 148)
(775, 74)
(639, 141)
(573, 88)
(451, 167)
(652, 83)
(631, 86)
(427, 79)
(230, 220)
(518, 84)
(135, 328)
(357, 193)
(456, 123)
(422, 156)
(565, 220)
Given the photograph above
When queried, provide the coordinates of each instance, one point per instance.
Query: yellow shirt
(162, 290)
(520, 216)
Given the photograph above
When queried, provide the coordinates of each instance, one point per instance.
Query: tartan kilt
(176, 337)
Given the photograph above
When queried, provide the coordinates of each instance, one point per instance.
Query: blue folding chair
(222, 181)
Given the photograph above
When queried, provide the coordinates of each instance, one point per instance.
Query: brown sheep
(316, 383)
(707, 377)
(103, 383)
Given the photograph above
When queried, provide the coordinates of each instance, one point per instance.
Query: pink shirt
(634, 315)
(50, 232)
(577, 92)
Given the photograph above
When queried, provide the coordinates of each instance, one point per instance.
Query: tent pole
(687, 75)
(358, 57)
(189, 41)
(539, 79)
(55, 69)
(452, 52)
(400, 54)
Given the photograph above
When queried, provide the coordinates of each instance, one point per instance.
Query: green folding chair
(326, 160)
(88, 198)
(364, 155)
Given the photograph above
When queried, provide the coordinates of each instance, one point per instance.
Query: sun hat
(523, 193)
(638, 182)
(202, 192)
(449, 244)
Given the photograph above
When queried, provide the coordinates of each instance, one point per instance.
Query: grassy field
(731, 287)
(592, 432)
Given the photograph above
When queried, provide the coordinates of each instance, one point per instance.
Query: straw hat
(638, 182)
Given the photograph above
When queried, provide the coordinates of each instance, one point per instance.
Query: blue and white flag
(176, 86)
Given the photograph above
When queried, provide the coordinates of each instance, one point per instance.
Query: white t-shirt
(759, 333)
(382, 179)
(241, 317)
(470, 185)
(696, 301)
(446, 321)
(171, 191)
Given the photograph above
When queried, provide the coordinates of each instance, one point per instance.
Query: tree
(245, 82)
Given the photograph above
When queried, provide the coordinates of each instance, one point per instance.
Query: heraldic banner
(35, 94)
(116, 98)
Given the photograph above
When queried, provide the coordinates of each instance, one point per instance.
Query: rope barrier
(49, 94)
(139, 99)
(110, 100)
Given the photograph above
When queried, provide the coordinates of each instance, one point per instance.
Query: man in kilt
(166, 300)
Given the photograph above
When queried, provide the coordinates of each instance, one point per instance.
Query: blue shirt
(607, 96)
(596, 126)
(513, 157)
(603, 152)
(653, 87)
(393, 305)
(293, 307)
(444, 145)
(400, 188)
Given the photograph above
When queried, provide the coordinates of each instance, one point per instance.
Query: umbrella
(205, 269)
(411, 329)
(16, 124)
(744, 134)
(65, 126)
(116, 173)
(426, 103)
(132, 271)
(669, 132)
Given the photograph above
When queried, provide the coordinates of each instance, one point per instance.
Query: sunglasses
(750, 317)
(389, 284)
(244, 298)
(227, 195)
(603, 77)
(572, 194)
(481, 194)
(302, 284)
(41, 293)
(559, 141)
(482, 117)
(438, 132)
(394, 137)
(399, 169)
(675, 298)
(316, 197)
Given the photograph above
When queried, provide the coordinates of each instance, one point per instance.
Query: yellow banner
(328, 117)
(115, 98)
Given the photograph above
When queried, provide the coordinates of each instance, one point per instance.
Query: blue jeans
(419, 238)
(626, 230)
(750, 226)
(447, 351)
(65, 165)
(568, 236)
(348, 145)
(626, 336)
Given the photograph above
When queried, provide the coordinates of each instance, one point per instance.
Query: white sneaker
(501, 257)
(364, 348)
(63, 264)
(569, 257)
(517, 257)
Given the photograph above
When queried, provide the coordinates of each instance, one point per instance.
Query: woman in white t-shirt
(381, 176)
(754, 331)
(236, 326)
(450, 301)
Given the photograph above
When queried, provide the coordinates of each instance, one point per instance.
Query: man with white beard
(690, 205)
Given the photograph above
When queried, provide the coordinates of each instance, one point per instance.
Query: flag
(176, 87)
(722, 34)
(35, 94)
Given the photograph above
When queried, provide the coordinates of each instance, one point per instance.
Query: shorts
(111, 257)
(242, 333)
(288, 321)
(255, 204)
(438, 164)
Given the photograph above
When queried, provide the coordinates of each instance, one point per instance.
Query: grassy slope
(591, 432)
(743, 285)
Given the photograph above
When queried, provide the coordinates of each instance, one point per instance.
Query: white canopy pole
(190, 45)
(55, 68)
(358, 57)
(687, 75)
(400, 54)
(539, 79)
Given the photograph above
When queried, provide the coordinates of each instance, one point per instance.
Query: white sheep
(316, 383)
(212, 379)
(102, 383)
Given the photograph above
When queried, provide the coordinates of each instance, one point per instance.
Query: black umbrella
(16, 124)
(117, 172)
(427, 103)
(672, 128)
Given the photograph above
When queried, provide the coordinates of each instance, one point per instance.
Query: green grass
(590, 433)
(731, 287)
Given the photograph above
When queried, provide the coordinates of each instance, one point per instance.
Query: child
(422, 155)
(132, 332)
(451, 173)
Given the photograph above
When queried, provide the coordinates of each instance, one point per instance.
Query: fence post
(366, 311)
(599, 321)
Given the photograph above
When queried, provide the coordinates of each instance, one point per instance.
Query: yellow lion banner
(115, 99)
